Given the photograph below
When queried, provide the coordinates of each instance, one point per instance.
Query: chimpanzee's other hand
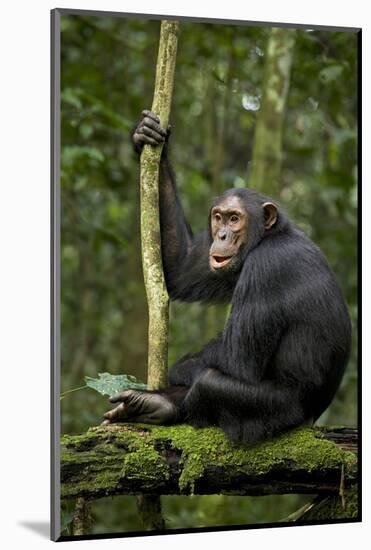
(140, 406)
(148, 132)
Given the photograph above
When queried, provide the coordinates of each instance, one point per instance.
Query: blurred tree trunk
(149, 507)
(267, 151)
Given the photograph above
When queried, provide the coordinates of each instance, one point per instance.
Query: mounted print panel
(204, 322)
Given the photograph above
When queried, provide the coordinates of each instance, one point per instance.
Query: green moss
(304, 448)
(106, 455)
(144, 464)
(301, 448)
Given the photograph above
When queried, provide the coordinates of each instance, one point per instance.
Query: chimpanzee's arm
(176, 233)
(185, 256)
(186, 371)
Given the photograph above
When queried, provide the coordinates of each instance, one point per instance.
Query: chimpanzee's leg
(246, 412)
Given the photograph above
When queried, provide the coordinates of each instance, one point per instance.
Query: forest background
(107, 78)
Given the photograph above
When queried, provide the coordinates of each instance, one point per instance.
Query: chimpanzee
(284, 348)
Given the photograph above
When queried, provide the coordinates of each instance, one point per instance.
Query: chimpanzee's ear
(270, 214)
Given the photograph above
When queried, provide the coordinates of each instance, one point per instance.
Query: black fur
(283, 351)
(282, 354)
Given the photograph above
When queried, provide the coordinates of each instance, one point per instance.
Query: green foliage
(108, 384)
(193, 511)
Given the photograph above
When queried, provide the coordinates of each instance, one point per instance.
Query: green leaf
(108, 384)
(73, 153)
(86, 130)
(79, 98)
(71, 96)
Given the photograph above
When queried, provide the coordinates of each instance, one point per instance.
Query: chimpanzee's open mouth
(217, 262)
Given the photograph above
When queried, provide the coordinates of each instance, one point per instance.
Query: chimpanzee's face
(229, 223)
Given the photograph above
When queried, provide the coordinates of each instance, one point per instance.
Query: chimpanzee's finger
(121, 396)
(149, 123)
(151, 115)
(115, 414)
(144, 139)
(153, 134)
(105, 422)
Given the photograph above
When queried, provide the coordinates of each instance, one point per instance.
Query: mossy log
(140, 459)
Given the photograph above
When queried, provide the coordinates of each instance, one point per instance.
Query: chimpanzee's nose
(222, 234)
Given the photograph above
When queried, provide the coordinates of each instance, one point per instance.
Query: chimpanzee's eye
(234, 218)
(217, 217)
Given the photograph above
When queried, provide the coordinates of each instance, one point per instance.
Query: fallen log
(157, 460)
